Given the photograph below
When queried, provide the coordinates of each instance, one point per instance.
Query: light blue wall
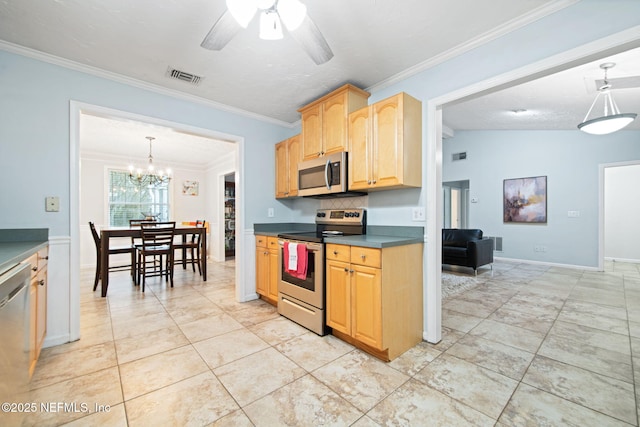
(34, 137)
(569, 159)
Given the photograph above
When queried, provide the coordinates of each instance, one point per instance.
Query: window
(129, 201)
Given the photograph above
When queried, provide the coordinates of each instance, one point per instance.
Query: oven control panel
(340, 216)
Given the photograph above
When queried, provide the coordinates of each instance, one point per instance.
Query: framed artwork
(525, 200)
(190, 188)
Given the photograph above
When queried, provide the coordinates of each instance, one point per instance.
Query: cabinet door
(366, 288)
(293, 158)
(338, 296)
(387, 142)
(41, 306)
(311, 133)
(273, 274)
(359, 150)
(334, 124)
(262, 271)
(33, 321)
(282, 170)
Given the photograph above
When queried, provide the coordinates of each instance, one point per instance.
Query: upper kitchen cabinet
(325, 121)
(385, 144)
(287, 158)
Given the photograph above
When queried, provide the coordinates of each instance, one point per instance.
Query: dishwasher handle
(15, 280)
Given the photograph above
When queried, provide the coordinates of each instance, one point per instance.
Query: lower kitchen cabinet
(267, 268)
(38, 305)
(374, 297)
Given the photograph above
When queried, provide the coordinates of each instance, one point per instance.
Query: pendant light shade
(612, 120)
(292, 13)
(242, 10)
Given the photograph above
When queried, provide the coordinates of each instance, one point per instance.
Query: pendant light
(612, 120)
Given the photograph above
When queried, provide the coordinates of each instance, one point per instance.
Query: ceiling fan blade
(312, 41)
(225, 28)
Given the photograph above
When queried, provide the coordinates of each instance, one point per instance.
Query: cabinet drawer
(261, 241)
(337, 253)
(371, 257)
(43, 258)
(272, 242)
(33, 262)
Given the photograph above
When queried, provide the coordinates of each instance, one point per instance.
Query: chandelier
(612, 120)
(149, 176)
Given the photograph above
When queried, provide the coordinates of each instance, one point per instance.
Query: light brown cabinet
(325, 121)
(374, 297)
(385, 144)
(38, 305)
(287, 158)
(267, 268)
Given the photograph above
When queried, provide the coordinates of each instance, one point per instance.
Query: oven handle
(313, 247)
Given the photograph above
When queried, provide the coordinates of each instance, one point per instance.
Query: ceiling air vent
(459, 156)
(183, 76)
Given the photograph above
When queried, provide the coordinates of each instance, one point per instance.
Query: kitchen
(51, 160)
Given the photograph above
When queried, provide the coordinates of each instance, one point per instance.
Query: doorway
(455, 204)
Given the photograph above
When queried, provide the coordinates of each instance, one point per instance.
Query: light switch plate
(417, 214)
(52, 204)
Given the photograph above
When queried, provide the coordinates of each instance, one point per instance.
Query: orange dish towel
(301, 271)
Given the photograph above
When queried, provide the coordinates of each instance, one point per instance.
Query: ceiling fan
(273, 13)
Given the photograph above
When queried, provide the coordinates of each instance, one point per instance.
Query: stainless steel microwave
(325, 175)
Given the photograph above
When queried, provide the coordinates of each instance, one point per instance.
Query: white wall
(215, 209)
(621, 207)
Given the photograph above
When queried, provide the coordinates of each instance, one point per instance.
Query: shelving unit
(229, 219)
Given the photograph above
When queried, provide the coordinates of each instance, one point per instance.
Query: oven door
(310, 289)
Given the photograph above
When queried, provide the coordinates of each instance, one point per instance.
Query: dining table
(107, 233)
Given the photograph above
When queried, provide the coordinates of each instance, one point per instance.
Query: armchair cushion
(466, 247)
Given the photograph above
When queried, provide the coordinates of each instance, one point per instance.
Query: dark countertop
(376, 237)
(16, 245)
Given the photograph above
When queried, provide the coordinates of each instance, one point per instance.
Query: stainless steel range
(301, 294)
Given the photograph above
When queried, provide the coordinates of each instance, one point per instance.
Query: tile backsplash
(345, 203)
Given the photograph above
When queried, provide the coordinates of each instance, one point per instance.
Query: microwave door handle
(327, 171)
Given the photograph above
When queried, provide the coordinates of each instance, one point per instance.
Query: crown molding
(98, 72)
(491, 35)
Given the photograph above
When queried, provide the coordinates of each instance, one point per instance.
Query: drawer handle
(41, 282)
(44, 257)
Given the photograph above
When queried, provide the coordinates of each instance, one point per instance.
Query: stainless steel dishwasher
(14, 337)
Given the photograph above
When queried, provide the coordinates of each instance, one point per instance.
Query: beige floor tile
(151, 373)
(500, 358)
(603, 394)
(415, 404)
(468, 383)
(415, 359)
(113, 416)
(83, 395)
(311, 351)
(235, 419)
(304, 402)
(141, 325)
(229, 347)
(278, 330)
(597, 316)
(533, 322)
(360, 379)
(459, 321)
(532, 407)
(72, 364)
(195, 401)
(252, 377)
(147, 344)
(209, 327)
(513, 336)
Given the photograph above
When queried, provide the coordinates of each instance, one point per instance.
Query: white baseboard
(630, 261)
(550, 264)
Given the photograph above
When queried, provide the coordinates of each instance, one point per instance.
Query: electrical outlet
(417, 214)
(573, 214)
(271, 212)
(52, 204)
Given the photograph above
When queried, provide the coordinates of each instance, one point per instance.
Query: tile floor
(528, 346)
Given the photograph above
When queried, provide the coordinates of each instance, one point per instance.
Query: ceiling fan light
(242, 10)
(607, 124)
(292, 13)
(270, 26)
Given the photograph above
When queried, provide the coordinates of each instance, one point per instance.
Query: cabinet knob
(369, 182)
(346, 269)
(335, 252)
(363, 256)
(34, 268)
(351, 271)
(41, 282)
(374, 181)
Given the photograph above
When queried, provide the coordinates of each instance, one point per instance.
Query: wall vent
(459, 156)
(497, 243)
(183, 76)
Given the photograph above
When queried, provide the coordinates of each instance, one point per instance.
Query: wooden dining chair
(189, 247)
(157, 243)
(136, 242)
(113, 250)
